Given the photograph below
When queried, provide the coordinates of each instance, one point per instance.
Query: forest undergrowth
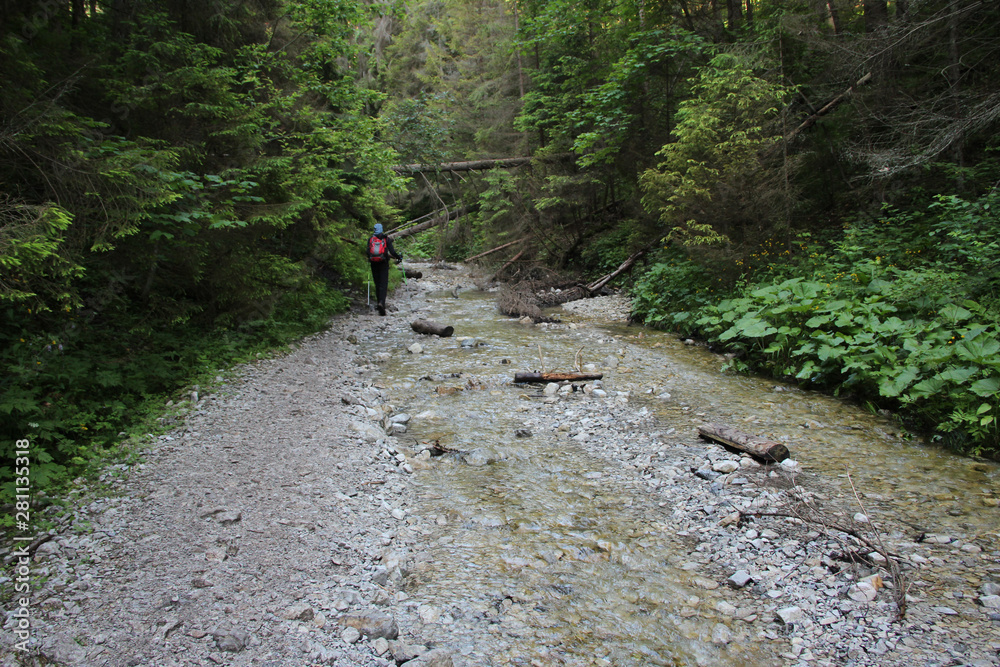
(900, 312)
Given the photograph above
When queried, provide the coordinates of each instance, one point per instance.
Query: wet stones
(371, 624)
(791, 615)
(298, 612)
(230, 639)
(739, 579)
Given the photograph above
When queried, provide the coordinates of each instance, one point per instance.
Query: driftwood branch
(871, 542)
(766, 450)
(432, 328)
(526, 377)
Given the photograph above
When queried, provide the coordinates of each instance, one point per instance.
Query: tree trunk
(876, 14)
(827, 108)
(954, 75)
(432, 328)
(433, 222)
(766, 450)
(626, 265)
(902, 10)
(734, 14)
(476, 165)
(509, 262)
(524, 377)
(833, 16)
(493, 250)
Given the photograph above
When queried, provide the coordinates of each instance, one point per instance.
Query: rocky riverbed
(285, 521)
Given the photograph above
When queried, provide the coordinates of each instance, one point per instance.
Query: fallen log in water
(432, 328)
(556, 377)
(766, 450)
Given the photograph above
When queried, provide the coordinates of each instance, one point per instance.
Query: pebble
(337, 530)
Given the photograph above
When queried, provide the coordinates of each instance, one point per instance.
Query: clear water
(572, 566)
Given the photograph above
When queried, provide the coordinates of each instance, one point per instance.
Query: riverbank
(279, 524)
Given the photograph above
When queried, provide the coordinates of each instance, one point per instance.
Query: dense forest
(810, 185)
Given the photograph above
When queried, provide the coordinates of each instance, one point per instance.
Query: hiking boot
(381, 309)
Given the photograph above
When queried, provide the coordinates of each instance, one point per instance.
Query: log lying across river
(766, 450)
(432, 328)
(556, 377)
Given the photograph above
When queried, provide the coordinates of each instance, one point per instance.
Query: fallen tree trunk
(432, 328)
(433, 222)
(525, 377)
(828, 107)
(493, 250)
(511, 261)
(477, 165)
(766, 450)
(408, 223)
(625, 266)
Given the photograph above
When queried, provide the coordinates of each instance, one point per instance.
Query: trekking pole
(369, 284)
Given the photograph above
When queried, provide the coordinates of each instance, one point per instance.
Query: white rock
(790, 615)
(428, 613)
(990, 601)
(416, 348)
(551, 389)
(721, 634)
(863, 591)
(725, 466)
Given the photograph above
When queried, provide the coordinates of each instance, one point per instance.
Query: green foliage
(614, 109)
(176, 186)
(721, 133)
(898, 312)
(672, 290)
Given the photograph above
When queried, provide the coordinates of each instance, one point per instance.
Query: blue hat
(378, 228)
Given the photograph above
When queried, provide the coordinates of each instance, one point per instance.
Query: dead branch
(433, 222)
(499, 247)
(828, 107)
(810, 514)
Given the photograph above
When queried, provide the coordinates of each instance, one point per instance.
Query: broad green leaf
(958, 375)
(987, 387)
(954, 313)
(892, 387)
(926, 388)
(980, 351)
(834, 306)
(827, 352)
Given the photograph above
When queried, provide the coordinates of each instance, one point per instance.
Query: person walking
(379, 251)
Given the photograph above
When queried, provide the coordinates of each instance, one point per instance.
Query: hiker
(379, 251)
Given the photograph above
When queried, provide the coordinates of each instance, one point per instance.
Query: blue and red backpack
(376, 249)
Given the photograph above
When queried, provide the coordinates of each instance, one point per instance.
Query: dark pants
(380, 275)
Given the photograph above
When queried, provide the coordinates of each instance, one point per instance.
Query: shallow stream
(579, 565)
